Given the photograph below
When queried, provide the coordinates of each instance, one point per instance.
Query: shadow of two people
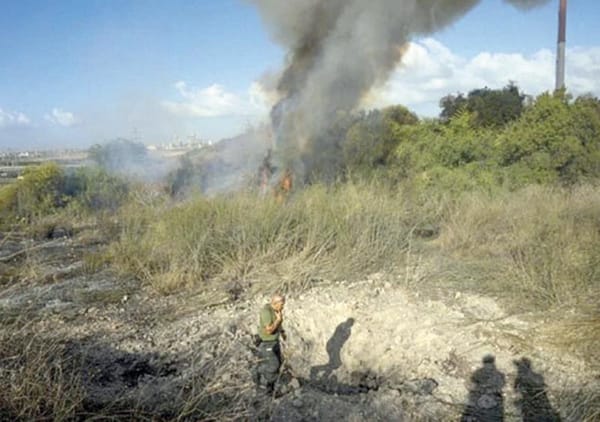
(486, 398)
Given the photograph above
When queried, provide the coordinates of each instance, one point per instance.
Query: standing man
(269, 351)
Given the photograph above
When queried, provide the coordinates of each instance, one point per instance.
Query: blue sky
(74, 73)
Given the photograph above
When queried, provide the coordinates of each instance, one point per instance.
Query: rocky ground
(370, 350)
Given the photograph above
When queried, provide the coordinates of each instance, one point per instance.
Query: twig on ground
(32, 248)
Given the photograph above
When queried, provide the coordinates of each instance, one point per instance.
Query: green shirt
(267, 317)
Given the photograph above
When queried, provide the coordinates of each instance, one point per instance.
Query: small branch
(26, 250)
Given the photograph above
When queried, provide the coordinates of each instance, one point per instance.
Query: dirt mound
(431, 358)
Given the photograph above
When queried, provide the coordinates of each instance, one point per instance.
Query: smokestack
(560, 52)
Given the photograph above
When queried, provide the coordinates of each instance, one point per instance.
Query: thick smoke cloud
(338, 50)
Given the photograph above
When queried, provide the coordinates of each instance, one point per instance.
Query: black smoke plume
(338, 50)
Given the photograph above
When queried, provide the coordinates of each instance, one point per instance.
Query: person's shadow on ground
(486, 400)
(531, 388)
(334, 346)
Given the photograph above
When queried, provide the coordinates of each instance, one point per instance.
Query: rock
(423, 386)
(59, 232)
(294, 384)
(297, 403)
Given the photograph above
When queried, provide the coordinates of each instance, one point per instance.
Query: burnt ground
(371, 350)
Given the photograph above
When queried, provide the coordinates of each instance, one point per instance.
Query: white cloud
(61, 117)
(13, 118)
(430, 70)
(216, 101)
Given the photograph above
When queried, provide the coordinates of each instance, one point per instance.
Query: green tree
(371, 141)
(554, 140)
(491, 107)
(451, 104)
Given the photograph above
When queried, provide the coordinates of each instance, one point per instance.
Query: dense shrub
(45, 189)
(554, 140)
(372, 139)
(94, 188)
(39, 191)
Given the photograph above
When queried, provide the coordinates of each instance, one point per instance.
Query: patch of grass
(343, 231)
(94, 262)
(545, 241)
(579, 333)
(37, 383)
(582, 404)
(8, 274)
(47, 378)
(100, 296)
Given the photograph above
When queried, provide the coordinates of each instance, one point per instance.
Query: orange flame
(285, 186)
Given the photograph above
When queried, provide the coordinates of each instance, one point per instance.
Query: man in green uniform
(270, 330)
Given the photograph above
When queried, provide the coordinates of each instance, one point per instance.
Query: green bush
(45, 190)
(553, 141)
(371, 140)
(93, 188)
(8, 201)
(38, 192)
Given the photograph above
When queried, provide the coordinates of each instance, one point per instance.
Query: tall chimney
(560, 52)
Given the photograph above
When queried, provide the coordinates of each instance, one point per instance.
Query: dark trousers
(269, 361)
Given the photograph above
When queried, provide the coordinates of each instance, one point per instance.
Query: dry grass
(43, 379)
(221, 386)
(544, 241)
(338, 232)
(579, 333)
(37, 380)
(580, 405)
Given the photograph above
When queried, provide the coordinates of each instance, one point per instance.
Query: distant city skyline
(76, 73)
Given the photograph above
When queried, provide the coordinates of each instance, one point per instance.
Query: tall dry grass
(544, 241)
(38, 380)
(338, 232)
(540, 244)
